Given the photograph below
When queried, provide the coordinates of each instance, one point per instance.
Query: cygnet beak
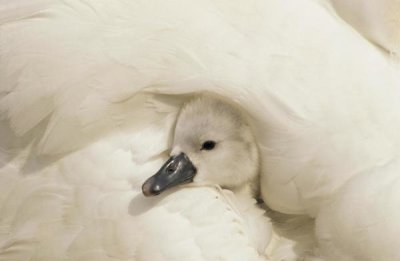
(177, 170)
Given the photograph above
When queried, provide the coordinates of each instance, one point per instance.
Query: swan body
(90, 92)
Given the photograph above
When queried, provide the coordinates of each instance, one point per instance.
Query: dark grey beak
(177, 170)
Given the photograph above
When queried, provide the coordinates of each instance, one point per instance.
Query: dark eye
(208, 145)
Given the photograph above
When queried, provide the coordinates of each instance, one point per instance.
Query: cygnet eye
(208, 145)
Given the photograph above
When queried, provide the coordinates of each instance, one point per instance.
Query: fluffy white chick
(213, 144)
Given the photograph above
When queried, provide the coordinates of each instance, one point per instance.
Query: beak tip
(148, 189)
(147, 193)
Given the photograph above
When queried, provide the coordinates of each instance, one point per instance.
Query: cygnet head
(212, 143)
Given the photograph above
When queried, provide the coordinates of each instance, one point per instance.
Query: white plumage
(84, 124)
(378, 20)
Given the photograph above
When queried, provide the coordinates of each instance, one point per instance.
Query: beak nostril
(171, 168)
